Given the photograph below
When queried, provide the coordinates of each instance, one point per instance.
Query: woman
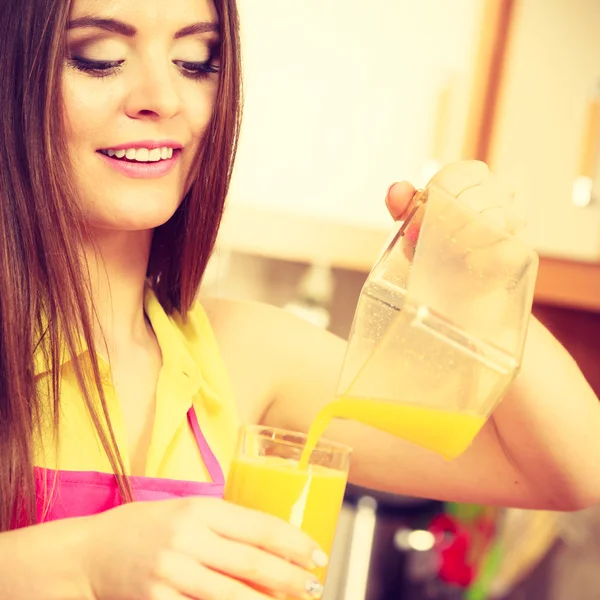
(119, 122)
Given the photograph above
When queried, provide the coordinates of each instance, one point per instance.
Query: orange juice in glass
(265, 476)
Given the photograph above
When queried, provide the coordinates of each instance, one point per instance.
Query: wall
(343, 97)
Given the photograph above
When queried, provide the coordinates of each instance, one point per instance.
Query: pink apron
(63, 494)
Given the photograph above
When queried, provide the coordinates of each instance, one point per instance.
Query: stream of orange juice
(446, 432)
(309, 498)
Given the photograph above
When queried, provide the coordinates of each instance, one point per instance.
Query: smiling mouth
(141, 155)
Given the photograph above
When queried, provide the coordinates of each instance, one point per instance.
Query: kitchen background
(343, 97)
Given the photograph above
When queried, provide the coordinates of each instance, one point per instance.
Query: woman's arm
(44, 562)
(541, 449)
(549, 424)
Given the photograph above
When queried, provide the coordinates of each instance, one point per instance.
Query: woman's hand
(471, 182)
(201, 548)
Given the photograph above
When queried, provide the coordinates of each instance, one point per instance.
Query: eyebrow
(122, 28)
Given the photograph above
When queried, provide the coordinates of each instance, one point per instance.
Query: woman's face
(139, 84)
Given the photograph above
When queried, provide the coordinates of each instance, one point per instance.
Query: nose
(153, 94)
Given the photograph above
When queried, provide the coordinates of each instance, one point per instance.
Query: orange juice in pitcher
(440, 325)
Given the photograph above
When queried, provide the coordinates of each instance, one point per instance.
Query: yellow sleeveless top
(193, 373)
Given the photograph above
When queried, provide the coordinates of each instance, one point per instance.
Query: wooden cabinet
(543, 137)
(541, 130)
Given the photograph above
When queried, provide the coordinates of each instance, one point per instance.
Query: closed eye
(197, 70)
(96, 68)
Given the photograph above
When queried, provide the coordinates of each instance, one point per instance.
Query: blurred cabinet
(343, 97)
(546, 128)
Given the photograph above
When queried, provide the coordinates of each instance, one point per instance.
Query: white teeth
(154, 155)
(142, 154)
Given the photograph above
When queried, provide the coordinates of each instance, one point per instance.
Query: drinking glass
(265, 476)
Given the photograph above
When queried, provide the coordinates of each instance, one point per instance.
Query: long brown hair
(44, 289)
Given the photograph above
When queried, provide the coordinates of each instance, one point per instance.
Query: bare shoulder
(239, 322)
(273, 357)
(235, 321)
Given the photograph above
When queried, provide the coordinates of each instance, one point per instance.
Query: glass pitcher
(440, 325)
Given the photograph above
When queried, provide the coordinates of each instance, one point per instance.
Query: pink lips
(144, 170)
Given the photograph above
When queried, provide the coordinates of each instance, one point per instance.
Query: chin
(133, 213)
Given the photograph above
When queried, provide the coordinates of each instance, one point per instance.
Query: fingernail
(320, 558)
(389, 190)
(313, 588)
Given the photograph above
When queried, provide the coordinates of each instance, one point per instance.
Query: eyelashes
(197, 70)
(95, 68)
(104, 68)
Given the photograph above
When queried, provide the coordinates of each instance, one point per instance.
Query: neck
(117, 263)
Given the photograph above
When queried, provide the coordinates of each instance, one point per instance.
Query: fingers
(238, 544)
(196, 581)
(398, 199)
(270, 533)
(458, 177)
(261, 568)
(471, 182)
(204, 549)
